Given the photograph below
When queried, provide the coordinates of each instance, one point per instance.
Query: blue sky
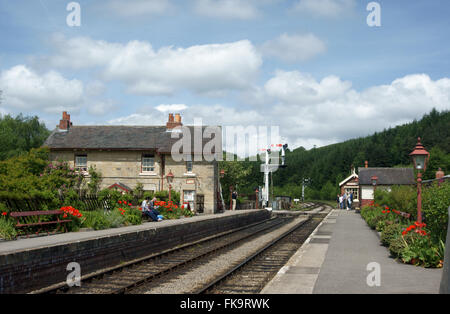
(312, 67)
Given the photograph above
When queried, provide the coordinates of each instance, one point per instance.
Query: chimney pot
(65, 123)
(440, 174)
(172, 123)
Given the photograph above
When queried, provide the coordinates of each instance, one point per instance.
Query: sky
(315, 69)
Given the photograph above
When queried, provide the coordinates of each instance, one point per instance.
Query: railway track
(128, 276)
(251, 275)
(140, 275)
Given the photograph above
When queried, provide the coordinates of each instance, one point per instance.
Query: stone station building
(128, 155)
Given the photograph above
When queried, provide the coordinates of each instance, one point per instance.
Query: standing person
(345, 200)
(234, 197)
(341, 201)
(351, 199)
(338, 202)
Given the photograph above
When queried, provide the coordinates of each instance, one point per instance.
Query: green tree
(20, 134)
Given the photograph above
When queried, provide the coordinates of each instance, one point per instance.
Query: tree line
(326, 166)
(18, 135)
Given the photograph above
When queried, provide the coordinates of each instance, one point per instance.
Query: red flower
(120, 202)
(4, 213)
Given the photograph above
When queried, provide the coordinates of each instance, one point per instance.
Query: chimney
(440, 174)
(65, 123)
(367, 164)
(172, 123)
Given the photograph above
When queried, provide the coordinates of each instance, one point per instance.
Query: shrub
(420, 251)
(114, 219)
(390, 233)
(374, 220)
(133, 217)
(7, 229)
(96, 220)
(397, 246)
(436, 200)
(401, 197)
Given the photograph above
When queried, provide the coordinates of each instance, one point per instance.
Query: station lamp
(420, 158)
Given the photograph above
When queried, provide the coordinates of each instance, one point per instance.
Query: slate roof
(386, 176)
(119, 138)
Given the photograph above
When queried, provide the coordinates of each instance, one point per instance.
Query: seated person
(151, 210)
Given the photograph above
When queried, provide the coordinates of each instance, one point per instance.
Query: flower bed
(123, 213)
(408, 241)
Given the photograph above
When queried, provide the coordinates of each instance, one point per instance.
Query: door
(189, 197)
(200, 203)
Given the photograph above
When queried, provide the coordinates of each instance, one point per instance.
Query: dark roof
(386, 176)
(119, 138)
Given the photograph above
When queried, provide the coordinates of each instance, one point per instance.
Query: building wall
(125, 167)
(367, 196)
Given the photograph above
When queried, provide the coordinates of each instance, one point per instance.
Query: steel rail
(62, 286)
(247, 260)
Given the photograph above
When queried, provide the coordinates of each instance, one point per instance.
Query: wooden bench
(58, 221)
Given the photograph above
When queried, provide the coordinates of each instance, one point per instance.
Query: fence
(88, 203)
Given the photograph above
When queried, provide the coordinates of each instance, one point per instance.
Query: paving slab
(335, 260)
(352, 247)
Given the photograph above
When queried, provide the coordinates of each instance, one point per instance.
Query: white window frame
(150, 167)
(81, 167)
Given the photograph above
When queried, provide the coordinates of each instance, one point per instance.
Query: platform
(27, 264)
(334, 260)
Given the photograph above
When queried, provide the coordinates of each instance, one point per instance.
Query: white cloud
(99, 108)
(202, 68)
(139, 119)
(171, 108)
(293, 48)
(228, 9)
(329, 110)
(79, 52)
(320, 112)
(207, 69)
(133, 8)
(24, 89)
(325, 8)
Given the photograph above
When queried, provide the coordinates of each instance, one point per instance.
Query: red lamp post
(169, 178)
(420, 158)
